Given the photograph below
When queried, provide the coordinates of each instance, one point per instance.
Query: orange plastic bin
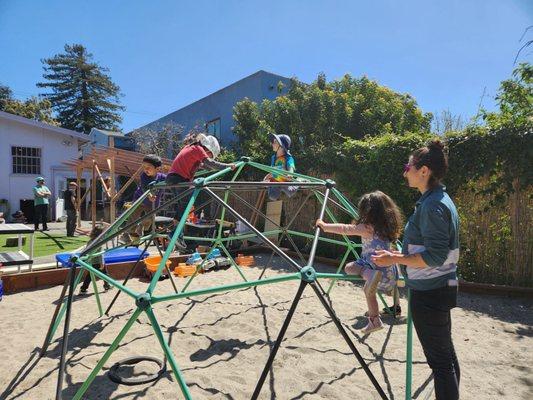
(152, 263)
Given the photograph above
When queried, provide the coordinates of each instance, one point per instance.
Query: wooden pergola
(113, 161)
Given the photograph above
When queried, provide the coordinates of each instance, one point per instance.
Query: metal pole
(100, 240)
(348, 341)
(317, 230)
(254, 229)
(95, 289)
(130, 273)
(54, 317)
(64, 344)
(281, 335)
(265, 184)
(172, 242)
(168, 353)
(106, 355)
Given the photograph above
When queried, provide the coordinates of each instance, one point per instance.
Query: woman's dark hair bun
(436, 144)
(434, 156)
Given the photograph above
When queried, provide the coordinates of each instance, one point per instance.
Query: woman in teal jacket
(430, 255)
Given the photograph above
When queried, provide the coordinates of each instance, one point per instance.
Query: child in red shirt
(200, 150)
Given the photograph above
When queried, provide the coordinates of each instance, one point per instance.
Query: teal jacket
(433, 231)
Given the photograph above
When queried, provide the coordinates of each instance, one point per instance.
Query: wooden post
(93, 195)
(128, 183)
(106, 189)
(111, 165)
(77, 206)
(112, 192)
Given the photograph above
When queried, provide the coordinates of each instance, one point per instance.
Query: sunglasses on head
(407, 167)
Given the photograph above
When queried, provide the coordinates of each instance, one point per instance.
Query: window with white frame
(26, 160)
(213, 127)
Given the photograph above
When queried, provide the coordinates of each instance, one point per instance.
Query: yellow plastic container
(152, 263)
(183, 270)
(245, 261)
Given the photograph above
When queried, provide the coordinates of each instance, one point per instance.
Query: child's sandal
(374, 324)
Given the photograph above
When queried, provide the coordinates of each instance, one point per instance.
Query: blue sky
(167, 54)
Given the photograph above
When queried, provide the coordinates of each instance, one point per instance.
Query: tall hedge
(490, 179)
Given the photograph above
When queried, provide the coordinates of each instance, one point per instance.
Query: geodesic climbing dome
(219, 191)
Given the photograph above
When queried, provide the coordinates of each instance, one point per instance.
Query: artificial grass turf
(46, 243)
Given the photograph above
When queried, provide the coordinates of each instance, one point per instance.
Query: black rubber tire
(115, 377)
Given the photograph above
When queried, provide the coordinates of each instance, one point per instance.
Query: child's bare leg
(372, 303)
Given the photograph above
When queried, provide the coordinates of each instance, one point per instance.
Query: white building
(29, 149)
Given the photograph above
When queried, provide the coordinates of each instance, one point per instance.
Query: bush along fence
(490, 179)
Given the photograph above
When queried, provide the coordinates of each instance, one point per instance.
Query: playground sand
(221, 343)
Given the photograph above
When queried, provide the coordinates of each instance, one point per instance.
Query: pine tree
(82, 94)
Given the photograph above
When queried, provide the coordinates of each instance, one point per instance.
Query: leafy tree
(323, 115)
(82, 94)
(515, 101)
(32, 108)
(5, 94)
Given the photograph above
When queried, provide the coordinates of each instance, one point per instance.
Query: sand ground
(221, 343)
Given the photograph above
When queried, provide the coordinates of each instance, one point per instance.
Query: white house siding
(54, 150)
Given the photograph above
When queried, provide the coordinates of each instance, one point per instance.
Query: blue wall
(257, 87)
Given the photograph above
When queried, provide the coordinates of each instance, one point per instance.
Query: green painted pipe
(168, 353)
(106, 355)
(225, 288)
(95, 289)
(107, 278)
(170, 248)
(323, 239)
(277, 171)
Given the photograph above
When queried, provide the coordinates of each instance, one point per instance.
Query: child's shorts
(274, 192)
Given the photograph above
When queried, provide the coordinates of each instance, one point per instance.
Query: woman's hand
(320, 224)
(383, 258)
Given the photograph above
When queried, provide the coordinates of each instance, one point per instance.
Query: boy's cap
(72, 184)
(284, 141)
(153, 159)
(39, 179)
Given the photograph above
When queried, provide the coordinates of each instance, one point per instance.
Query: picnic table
(18, 257)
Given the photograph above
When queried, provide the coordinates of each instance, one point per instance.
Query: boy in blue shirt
(281, 159)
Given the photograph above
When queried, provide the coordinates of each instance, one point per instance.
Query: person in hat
(41, 195)
(69, 197)
(151, 165)
(281, 159)
(199, 150)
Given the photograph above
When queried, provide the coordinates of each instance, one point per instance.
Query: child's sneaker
(371, 285)
(107, 286)
(374, 324)
(394, 310)
(83, 291)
